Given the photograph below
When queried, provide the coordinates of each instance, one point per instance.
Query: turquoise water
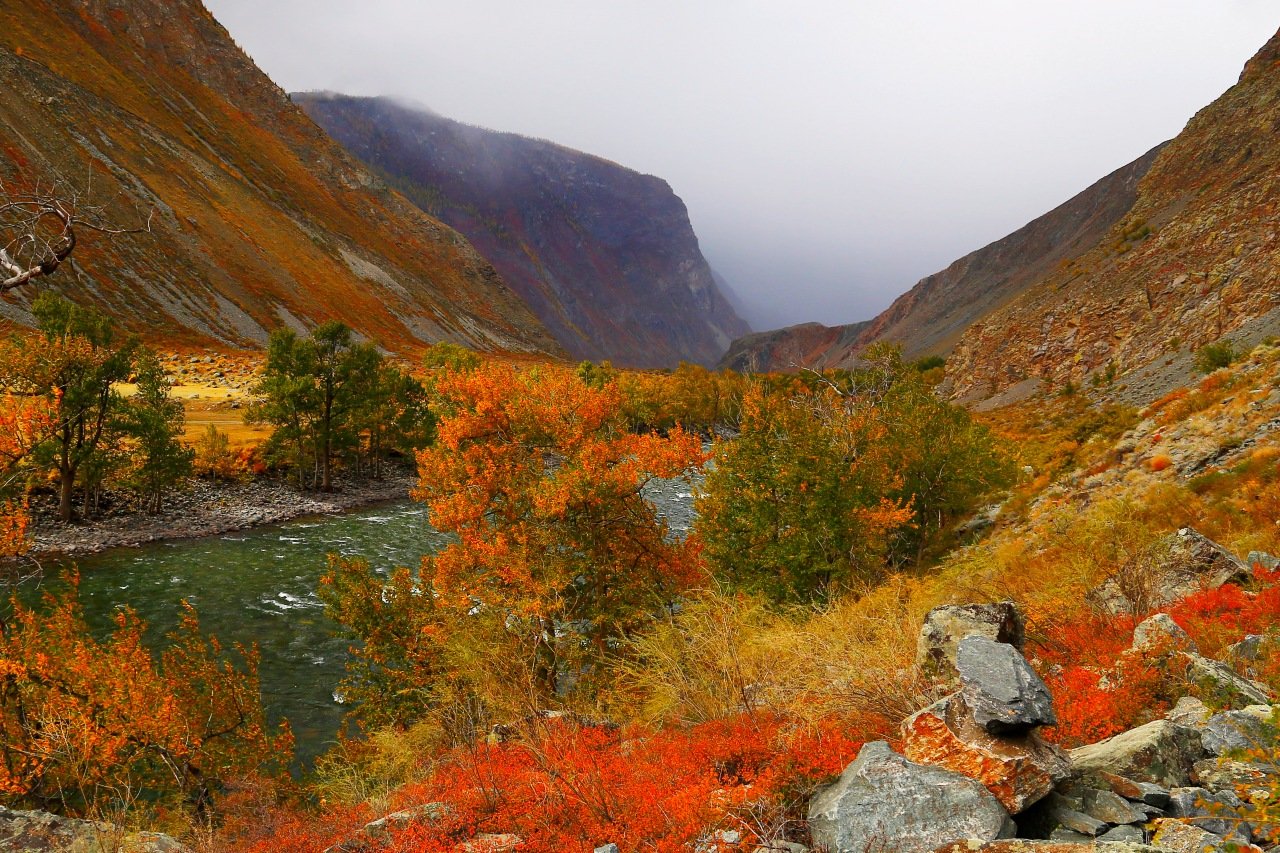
(259, 586)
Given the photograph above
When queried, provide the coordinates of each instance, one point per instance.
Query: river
(259, 586)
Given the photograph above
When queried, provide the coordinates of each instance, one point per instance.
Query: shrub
(1214, 356)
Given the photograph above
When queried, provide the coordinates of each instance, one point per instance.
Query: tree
(394, 416)
(74, 364)
(154, 421)
(83, 720)
(311, 392)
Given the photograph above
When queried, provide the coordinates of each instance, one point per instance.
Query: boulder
(1222, 775)
(1219, 813)
(607, 848)
(944, 627)
(884, 799)
(1001, 690)
(1189, 711)
(1023, 845)
(1263, 560)
(1110, 808)
(1160, 633)
(1222, 683)
(41, 832)
(1245, 729)
(1178, 837)
(1126, 834)
(1018, 769)
(1161, 752)
(1144, 793)
(1183, 562)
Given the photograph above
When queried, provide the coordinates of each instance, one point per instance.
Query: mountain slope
(604, 256)
(259, 218)
(1196, 258)
(929, 318)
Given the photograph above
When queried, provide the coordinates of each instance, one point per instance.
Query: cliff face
(810, 345)
(258, 217)
(1195, 258)
(604, 256)
(931, 317)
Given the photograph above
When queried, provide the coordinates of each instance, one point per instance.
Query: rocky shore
(207, 508)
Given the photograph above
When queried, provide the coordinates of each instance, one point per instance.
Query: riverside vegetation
(567, 672)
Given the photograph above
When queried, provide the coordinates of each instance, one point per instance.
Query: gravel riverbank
(206, 509)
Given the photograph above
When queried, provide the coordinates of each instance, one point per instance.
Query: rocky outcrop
(1182, 563)
(884, 801)
(945, 626)
(604, 256)
(257, 219)
(41, 832)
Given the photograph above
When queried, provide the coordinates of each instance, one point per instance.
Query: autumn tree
(552, 549)
(82, 719)
(74, 363)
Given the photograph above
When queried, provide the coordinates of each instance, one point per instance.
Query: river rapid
(259, 586)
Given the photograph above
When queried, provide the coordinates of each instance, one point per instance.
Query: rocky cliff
(257, 218)
(930, 317)
(810, 345)
(1194, 259)
(604, 256)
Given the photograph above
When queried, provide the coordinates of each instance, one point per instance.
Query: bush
(1214, 356)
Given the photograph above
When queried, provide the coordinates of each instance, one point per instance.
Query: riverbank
(208, 508)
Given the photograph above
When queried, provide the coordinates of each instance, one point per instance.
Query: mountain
(1121, 284)
(258, 218)
(1194, 259)
(930, 317)
(805, 345)
(604, 256)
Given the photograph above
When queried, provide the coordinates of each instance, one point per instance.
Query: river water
(259, 586)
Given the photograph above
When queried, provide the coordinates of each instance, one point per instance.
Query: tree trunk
(66, 491)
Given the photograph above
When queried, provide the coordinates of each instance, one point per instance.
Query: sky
(830, 152)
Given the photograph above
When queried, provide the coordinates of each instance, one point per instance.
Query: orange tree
(554, 555)
(85, 722)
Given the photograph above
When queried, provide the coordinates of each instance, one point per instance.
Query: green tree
(154, 421)
(74, 362)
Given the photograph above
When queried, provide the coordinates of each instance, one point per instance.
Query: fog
(830, 153)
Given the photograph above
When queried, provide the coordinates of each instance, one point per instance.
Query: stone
(719, 841)
(491, 842)
(379, 830)
(1126, 834)
(1025, 845)
(882, 798)
(1178, 837)
(781, 847)
(1110, 808)
(1245, 729)
(607, 848)
(1221, 775)
(1247, 650)
(1160, 752)
(1075, 821)
(1263, 560)
(1160, 633)
(1138, 792)
(944, 627)
(1182, 563)
(38, 832)
(1064, 834)
(1218, 813)
(1189, 711)
(1018, 769)
(1001, 690)
(1222, 682)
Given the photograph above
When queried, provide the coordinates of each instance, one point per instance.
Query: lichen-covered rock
(1186, 562)
(1019, 769)
(1189, 711)
(884, 799)
(1222, 682)
(1217, 812)
(1178, 837)
(1161, 633)
(1161, 752)
(944, 627)
(1024, 845)
(1245, 729)
(1000, 689)
(41, 832)
(1144, 793)
(1219, 775)
(1110, 808)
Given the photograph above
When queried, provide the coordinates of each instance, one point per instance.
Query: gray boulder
(1178, 565)
(1000, 688)
(1161, 752)
(41, 832)
(1263, 559)
(884, 801)
(1245, 729)
(944, 627)
(1219, 813)
(1223, 683)
(1111, 808)
(1161, 633)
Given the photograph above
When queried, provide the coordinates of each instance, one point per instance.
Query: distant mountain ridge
(930, 318)
(260, 219)
(603, 255)
(1119, 285)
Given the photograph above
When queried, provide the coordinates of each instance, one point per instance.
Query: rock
(1222, 683)
(1018, 769)
(1160, 752)
(41, 832)
(1262, 560)
(1218, 813)
(1183, 562)
(1110, 808)
(1139, 792)
(491, 842)
(1223, 775)
(1064, 834)
(1189, 711)
(882, 798)
(379, 830)
(1245, 729)
(944, 627)
(607, 848)
(719, 841)
(1178, 837)
(1247, 650)
(1126, 834)
(1023, 845)
(781, 847)
(1000, 688)
(1160, 633)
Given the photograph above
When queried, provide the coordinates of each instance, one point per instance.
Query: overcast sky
(831, 152)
